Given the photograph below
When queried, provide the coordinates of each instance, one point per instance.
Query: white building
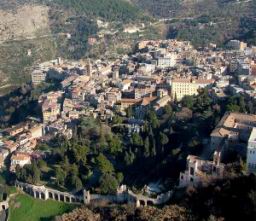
(167, 61)
(38, 76)
(36, 131)
(251, 152)
(20, 159)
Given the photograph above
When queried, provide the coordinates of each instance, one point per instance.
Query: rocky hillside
(25, 39)
(26, 21)
(33, 31)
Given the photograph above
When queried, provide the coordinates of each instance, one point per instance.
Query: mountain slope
(40, 27)
(111, 10)
(26, 21)
(205, 21)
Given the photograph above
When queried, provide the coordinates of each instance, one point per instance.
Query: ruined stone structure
(142, 200)
(4, 205)
(44, 193)
(123, 195)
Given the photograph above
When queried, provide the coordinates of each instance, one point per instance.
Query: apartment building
(181, 87)
(38, 76)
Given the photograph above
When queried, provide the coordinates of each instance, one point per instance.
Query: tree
(152, 142)
(236, 104)
(242, 104)
(120, 177)
(21, 173)
(129, 157)
(203, 100)
(232, 108)
(187, 101)
(146, 147)
(65, 164)
(78, 183)
(168, 109)
(102, 139)
(117, 120)
(136, 140)
(31, 173)
(41, 164)
(163, 139)
(129, 112)
(89, 128)
(60, 176)
(115, 144)
(80, 153)
(152, 118)
(108, 184)
(74, 182)
(104, 165)
(73, 169)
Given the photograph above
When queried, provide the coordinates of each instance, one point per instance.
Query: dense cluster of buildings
(236, 132)
(19, 143)
(157, 73)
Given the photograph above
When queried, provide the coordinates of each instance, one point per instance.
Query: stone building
(233, 130)
(201, 172)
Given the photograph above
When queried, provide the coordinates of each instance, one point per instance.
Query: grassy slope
(26, 208)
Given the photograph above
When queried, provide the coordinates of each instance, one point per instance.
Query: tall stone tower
(89, 68)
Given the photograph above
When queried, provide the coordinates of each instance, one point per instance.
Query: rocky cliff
(26, 21)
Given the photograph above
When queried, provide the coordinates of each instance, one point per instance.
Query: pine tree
(163, 139)
(146, 147)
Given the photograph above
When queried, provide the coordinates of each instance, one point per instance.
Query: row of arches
(49, 194)
(142, 202)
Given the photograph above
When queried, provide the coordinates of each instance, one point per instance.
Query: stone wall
(123, 195)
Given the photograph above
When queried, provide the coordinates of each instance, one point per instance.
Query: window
(192, 171)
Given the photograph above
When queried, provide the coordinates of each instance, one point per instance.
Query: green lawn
(26, 208)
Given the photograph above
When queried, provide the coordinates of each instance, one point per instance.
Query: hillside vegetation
(40, 26)
(111, 10)
(206, 21)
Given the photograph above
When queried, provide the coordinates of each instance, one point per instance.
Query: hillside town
(156, 74)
